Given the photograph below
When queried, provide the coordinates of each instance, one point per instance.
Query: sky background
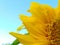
(9, 16)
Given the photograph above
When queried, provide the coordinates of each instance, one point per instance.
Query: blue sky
(9, 15)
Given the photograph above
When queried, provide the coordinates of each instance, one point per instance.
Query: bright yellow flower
(43, 25)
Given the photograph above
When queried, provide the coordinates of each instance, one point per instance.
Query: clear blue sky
(9, 11)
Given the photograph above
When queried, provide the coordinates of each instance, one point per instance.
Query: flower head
(42, 26)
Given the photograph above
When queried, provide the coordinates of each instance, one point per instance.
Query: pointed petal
(23, 18)
(27, 39)
(20, 27)
(59, 4)
(23, 38)
(27, 19)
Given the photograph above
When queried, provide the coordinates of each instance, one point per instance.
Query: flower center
(55, 33)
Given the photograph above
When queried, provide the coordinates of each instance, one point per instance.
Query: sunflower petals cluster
(43, 25)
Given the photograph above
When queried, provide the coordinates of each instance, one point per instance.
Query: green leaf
(15, 42)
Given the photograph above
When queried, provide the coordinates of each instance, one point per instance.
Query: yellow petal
(50, 13)
(41, 43)
(34, 27)
(35, 31)
(57, 10)
(42, 12)
(23, 38)
(20, 27)
(27, 19)
(27, 39)
(59, 5)
(23, 18)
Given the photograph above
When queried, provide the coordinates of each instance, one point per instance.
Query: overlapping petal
(38, 24)
(28, 39)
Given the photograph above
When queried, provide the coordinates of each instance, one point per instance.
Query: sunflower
(43, 25)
